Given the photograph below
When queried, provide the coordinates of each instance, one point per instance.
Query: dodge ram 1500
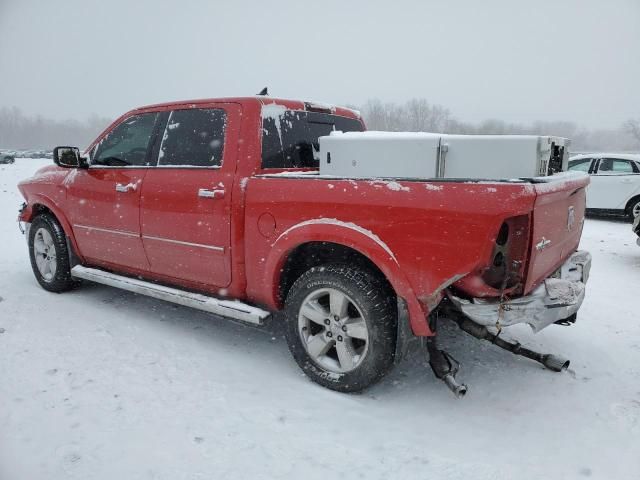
(219, 205)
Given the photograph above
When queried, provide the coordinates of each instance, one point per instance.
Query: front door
(186, 199)
(103, 201)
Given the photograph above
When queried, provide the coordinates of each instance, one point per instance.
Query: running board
(225, 308)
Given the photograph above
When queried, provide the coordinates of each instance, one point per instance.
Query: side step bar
(226, 308)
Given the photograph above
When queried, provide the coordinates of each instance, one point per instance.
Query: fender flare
(357, 238)
(38, 199)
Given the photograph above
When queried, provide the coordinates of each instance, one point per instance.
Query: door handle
(129, 187)
(204, 193)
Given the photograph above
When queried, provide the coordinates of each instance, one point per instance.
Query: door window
(193, 138)
(610, 166)
(581, 165)
(127, 144)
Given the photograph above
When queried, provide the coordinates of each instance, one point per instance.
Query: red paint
(422, 239)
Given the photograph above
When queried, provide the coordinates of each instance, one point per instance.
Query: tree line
(418, 115)
(21, 132)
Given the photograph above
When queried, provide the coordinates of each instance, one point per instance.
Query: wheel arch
(39, 205)
(312, 242)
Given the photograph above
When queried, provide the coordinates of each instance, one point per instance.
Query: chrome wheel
(333, 330)
(635, 210)
(44, 251)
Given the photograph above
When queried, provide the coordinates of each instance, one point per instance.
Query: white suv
(615, 182)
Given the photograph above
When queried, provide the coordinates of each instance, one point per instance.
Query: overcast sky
(577, 59)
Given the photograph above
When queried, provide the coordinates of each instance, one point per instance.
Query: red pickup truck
(219, 205)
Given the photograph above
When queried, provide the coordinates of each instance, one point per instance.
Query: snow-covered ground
(104, 384)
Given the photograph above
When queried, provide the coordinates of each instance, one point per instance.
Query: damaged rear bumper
(557, 298)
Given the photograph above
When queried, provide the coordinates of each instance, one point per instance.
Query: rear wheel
(341, 326)
(49, 254)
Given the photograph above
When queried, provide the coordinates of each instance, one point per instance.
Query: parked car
(219, 205)
(615, 182)
(5, 159)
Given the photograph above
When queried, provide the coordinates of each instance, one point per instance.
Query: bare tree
(632, 126)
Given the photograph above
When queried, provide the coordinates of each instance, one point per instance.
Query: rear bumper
(557, 298)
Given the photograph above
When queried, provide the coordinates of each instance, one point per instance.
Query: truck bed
(436, 230)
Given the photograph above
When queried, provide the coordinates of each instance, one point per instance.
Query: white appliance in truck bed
(434, 155)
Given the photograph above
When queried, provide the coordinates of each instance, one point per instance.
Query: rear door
(613, 183)
(186, 199)
(103, 201)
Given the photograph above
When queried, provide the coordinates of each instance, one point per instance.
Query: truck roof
(310, 105)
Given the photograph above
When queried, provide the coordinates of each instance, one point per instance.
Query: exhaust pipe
(554, 363)
(458, 389)
(445, 367)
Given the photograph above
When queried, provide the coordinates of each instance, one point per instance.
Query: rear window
(290, 140)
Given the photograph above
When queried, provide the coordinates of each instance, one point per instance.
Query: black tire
(634, 204)
(377, 305)
(60, 280)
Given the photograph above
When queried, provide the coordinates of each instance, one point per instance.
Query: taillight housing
(506, 266)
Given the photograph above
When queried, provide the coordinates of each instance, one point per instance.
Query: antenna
(264, 92)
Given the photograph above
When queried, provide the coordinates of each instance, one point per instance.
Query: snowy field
(103, 384)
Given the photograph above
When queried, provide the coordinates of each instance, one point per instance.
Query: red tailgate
(557, 224)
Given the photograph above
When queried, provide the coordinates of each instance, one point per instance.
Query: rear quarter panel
(437, 232)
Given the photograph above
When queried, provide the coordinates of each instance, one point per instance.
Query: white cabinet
(432, 155)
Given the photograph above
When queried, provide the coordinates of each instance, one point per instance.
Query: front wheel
(49, 254)
(341, 326)
(634, 209)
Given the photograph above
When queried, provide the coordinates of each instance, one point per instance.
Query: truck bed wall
(436, 231)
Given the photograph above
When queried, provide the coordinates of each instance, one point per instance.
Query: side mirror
(69, 157)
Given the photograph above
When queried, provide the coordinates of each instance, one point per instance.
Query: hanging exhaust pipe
(445, 367)
(554, 363)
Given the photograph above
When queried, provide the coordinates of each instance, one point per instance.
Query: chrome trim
(164, 167)
(106, 230)
(189, 244)
(226, 308)
(189, 167)
(215, 194)
(542, 244)
(130, 167)
(125, 188)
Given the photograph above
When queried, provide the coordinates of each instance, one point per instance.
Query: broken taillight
(505, 268)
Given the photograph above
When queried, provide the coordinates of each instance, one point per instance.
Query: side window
(581, 165)
(290, 140)
(127, 144)
(193, 138)
(614, 165)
